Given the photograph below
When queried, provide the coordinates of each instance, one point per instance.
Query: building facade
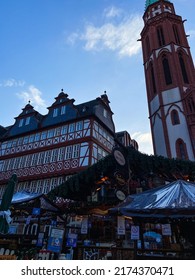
(44, 151)
(170, 81)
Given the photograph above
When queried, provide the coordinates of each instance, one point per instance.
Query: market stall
(162, 221)
(33, 217)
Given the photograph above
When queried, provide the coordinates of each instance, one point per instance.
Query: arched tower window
(166, 69)
(148, 46)
(175, 117)
(160, 35)
(176, 34)
(153, 78)
(183, 69)
(181, 150)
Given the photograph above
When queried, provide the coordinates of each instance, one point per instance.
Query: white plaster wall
(171, 95)
(180, 130)
(159, 137)
(154, 104)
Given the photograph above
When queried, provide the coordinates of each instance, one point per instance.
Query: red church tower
(170, 81)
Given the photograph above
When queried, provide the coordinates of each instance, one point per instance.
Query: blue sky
(85, 47)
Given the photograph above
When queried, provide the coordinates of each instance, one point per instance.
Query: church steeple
(170, 81)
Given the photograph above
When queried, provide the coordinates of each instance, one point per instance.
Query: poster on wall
(121, 226)
(135, 233)
(71, 240)
(84, 226)
(55, 240)
(40, 239)
(166, 229)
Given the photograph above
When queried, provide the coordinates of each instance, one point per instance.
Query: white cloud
(144, 141)
(112, 12)
(12, 83)
(33, 95)
(72, 38)
(121, 38)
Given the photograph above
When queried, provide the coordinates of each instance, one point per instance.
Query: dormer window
(21, 122)
(55, 112)
(63, 110)
(105, 113)
(27, 121)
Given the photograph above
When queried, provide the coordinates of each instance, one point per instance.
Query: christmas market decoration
(138, 168)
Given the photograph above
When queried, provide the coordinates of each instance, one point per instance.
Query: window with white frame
(68, 153)
(33, 186)
(3, 147)
(39, 188)
(41, 158)
(55, 112)
(26, 186)
(14, 143)
(34, 159)
(76, 150)
(79, 126)
(28, 160)
(22, 162)
(20, 141)
(21, 122)
(46, 186)
(63, 110)
(71, 127)
(64, 129)
(43, 135)
(54, 155)
(47, 157)
(16, 163)
(37, 136)
(10, 164)
(60, 180)
(57, 131)
(27, 121)
(31, 138)
(61, 154)
(25, 140)
(50, 133)
(54, 183)
(20, 186)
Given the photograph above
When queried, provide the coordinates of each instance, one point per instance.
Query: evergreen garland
(140, 165)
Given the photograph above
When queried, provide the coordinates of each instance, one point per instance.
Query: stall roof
(27, 197)
(23, 196)
(176, 199)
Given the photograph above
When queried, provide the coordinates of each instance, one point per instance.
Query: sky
(84, 47)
